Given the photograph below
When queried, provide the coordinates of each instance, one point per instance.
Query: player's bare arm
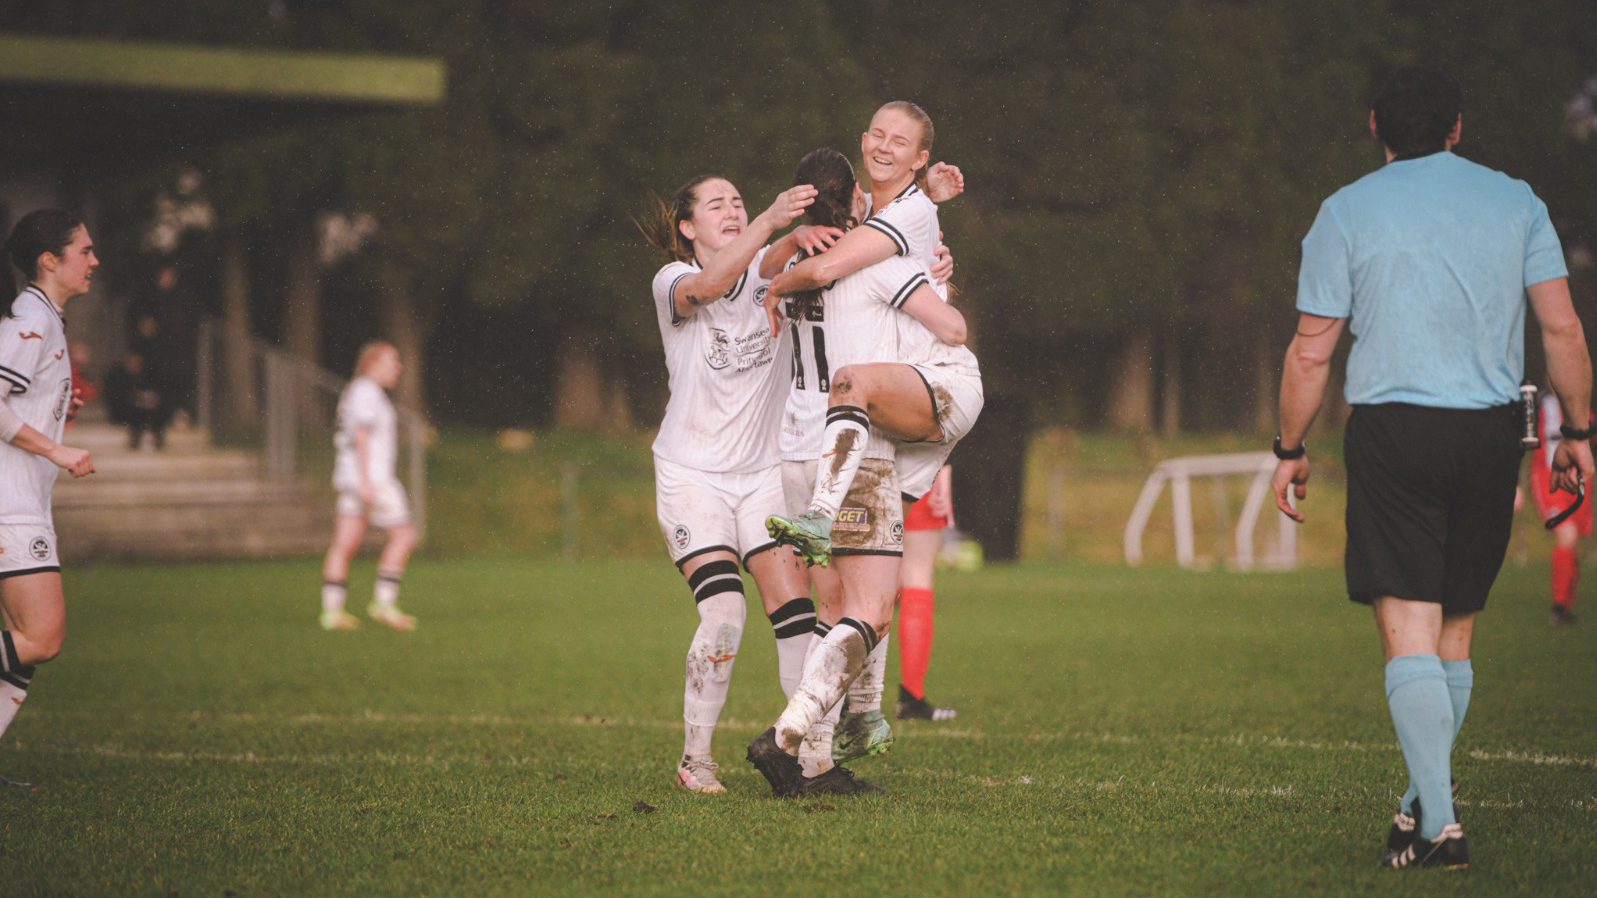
(74, 461)
(942, 319)
(853, 251)
(721, 271)
(1303, 379)
(361, 439)
(812, 239)
(1569, 368)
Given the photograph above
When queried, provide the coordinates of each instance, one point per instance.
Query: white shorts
(871, 521)
(27, 549)
(703, 512)
(388, 508)
(957, 401)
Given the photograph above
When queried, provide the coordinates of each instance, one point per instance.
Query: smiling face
(718, 218)
(892, 149)
(68, 274)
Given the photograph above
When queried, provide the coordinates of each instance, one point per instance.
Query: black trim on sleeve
(893, 234)
(908, 290)
(671, 299)
(22, 381)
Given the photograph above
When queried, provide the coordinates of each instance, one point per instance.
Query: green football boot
(809, 533)
(861, 735)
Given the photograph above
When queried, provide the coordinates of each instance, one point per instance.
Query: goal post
(1178, 473)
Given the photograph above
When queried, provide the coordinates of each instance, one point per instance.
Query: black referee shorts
(1430, 502)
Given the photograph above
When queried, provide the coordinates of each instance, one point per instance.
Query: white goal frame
(1178, 473)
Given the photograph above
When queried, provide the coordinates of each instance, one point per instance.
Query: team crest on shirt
(66, 399)
(898, 531)
(852, 519)
(680, 537)
(759, 295)
(720, 354)
(40, 548)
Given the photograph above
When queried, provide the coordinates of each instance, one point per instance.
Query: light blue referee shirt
(1429, 259)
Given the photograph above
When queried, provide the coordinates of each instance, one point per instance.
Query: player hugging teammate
(733, 451)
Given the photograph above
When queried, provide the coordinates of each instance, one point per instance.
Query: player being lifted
(715, 462)
(850, 322)
(368, 490)
(902, 221)
(53, 249)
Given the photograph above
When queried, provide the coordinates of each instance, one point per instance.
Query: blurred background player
(52, 248)
(716, 468)
(367, 441)
(1564, 566)
(923, 539)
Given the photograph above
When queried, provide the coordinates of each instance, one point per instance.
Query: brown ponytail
(832, 176)
(661, 224)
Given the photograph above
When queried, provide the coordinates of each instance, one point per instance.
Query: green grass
(1148, 732)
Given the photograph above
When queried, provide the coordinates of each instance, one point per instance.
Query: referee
(1429, 261)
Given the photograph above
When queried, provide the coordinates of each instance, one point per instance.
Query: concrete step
(103, 439)
(158, 493)
(186, 532)
(217, 464)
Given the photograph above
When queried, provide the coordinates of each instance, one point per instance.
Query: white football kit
(37, 375)
(364, 405)
(856, 322)
(716, 466)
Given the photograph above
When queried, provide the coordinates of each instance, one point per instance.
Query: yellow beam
(251, 74)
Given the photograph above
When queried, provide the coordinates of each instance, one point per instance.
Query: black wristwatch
(1571, 433)
(1288, 454)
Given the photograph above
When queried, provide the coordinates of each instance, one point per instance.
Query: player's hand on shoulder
(816, 238)
(944, 182)
(942, 262)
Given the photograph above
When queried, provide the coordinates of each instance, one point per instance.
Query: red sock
(914, 639)
(1565, 569)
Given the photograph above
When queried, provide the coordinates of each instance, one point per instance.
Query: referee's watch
(1571, 433)
(1288, 454)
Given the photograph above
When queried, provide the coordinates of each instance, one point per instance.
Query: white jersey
(910, 221)
(854, 323)
(37, 376)
(726, 385)
(364, 406)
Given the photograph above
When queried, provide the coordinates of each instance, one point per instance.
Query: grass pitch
(1120, 733)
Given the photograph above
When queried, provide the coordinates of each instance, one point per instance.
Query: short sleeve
(1325, 277)
(665, 281)
(1544, 255)
(901, 218)
(898, 278)
(365, 398)
(21, 352)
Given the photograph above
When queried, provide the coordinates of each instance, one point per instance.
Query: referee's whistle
(1529, 435)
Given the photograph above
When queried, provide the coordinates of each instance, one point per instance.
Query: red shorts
(1549, 503)
(920, 517)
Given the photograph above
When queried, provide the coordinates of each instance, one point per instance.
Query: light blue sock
(1460, 681)
(1422, 714)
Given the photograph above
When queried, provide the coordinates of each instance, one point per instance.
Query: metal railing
(253, 395)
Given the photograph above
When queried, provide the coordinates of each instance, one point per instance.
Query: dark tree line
(1139, 175)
